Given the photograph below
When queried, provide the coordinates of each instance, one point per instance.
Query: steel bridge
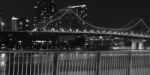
(67, 21)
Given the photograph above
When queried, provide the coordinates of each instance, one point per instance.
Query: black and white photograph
(74, 37)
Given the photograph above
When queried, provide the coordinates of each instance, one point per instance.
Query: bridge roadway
(31, 33)
(91, 34)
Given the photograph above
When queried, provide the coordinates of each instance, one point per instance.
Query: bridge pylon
(137, 44)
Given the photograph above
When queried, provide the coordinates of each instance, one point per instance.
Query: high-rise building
(80, 10)
(43, 10)
(1, 14)
(14, 24)
(2, 23)
(23, 24)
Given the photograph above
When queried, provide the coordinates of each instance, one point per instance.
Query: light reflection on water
(26, 64)
(3, 60)
(43, 63)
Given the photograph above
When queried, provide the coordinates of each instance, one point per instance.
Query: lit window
(21, 23)
(35, 6)
(27, 20)
(27, 25)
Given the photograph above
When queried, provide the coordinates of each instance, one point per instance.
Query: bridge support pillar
(137, 44)
(133, 45)
(141, 44)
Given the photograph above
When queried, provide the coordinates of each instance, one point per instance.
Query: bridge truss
(67, 21)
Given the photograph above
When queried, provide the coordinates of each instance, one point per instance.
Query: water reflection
(43, 63)
(3, 60)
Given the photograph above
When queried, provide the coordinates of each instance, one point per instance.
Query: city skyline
(77, 37)
(105, 14)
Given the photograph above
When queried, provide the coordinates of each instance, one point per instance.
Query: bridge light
(70, 30)
(91, 31)
(97, 31)
(103, 31)
(116, 38)
(61, 29)
(52, 29)
(77, 30)
(115, 32)
(84, 30)
(109, 32)
(121, 33)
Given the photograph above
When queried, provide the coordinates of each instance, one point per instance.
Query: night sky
(100, 12)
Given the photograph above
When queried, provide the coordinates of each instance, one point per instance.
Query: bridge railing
(75, 62)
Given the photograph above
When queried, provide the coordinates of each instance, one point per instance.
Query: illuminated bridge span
(67, 21)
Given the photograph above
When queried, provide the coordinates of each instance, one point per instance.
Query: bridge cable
(84, 20)
(131, 21)
(55, 19)
(141, 20)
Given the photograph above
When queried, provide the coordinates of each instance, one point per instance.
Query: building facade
(43, 9)
(1, 14)
(20, 24)
(24, 24)
(14, 24)
(2, 23)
